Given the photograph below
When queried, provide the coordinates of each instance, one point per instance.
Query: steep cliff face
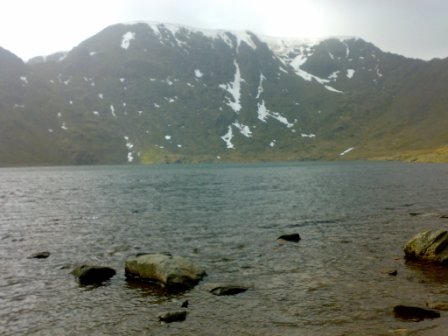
(147, 92)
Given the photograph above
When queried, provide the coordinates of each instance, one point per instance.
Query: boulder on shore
(93, 275)
(172, 272)
(429, 246)
(414, 313)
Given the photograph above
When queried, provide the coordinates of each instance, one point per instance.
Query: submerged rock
(430, 246)
(390, 272)
(40, 255)
(226, 289)
(294, 237)
(173, 272)
(176, 316)
(93, 275)
(414, 313)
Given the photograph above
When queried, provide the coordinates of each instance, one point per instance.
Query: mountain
(149, 92)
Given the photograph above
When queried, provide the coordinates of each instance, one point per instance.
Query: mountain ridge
(166, 93)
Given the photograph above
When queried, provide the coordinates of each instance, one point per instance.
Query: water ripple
(353, 219)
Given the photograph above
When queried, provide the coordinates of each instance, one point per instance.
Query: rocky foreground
(426, 247)
(176, 274)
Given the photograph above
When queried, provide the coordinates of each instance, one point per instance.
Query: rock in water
(40, 255)
(93, 275)
(294, 237)
(176, 316)
(431, 246)
(391, 272)
(414, 214)
(173, 272)
(220, 290)
(414, 313)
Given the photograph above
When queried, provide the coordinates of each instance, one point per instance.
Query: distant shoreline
(404, 158)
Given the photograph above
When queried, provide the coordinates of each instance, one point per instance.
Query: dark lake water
(354, 219)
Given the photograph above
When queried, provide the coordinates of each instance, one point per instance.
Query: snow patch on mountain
(378, 73)
(348, 150)
(282, 47)
(245, 37)
(62, 57)
(310, 135)
(347, 49)
(244, 129)
(126, 39)
(225, 35)
(171, 99)
(130, 157)
(350, 73)
(112, 111)
(298, 61)
(295, 52)
(260, 86)
(264, 114)
(227, 138)
(130, 147)
(334, 76)
(154, 26)
(332, 89)
(198, 73)
(234, 89)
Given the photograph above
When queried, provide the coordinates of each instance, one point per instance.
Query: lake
(354, 219)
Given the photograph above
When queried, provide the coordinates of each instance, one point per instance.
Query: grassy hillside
(161, 93)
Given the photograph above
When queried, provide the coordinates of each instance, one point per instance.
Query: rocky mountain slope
(148, 92)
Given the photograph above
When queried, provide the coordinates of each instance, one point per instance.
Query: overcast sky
(414, 28)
